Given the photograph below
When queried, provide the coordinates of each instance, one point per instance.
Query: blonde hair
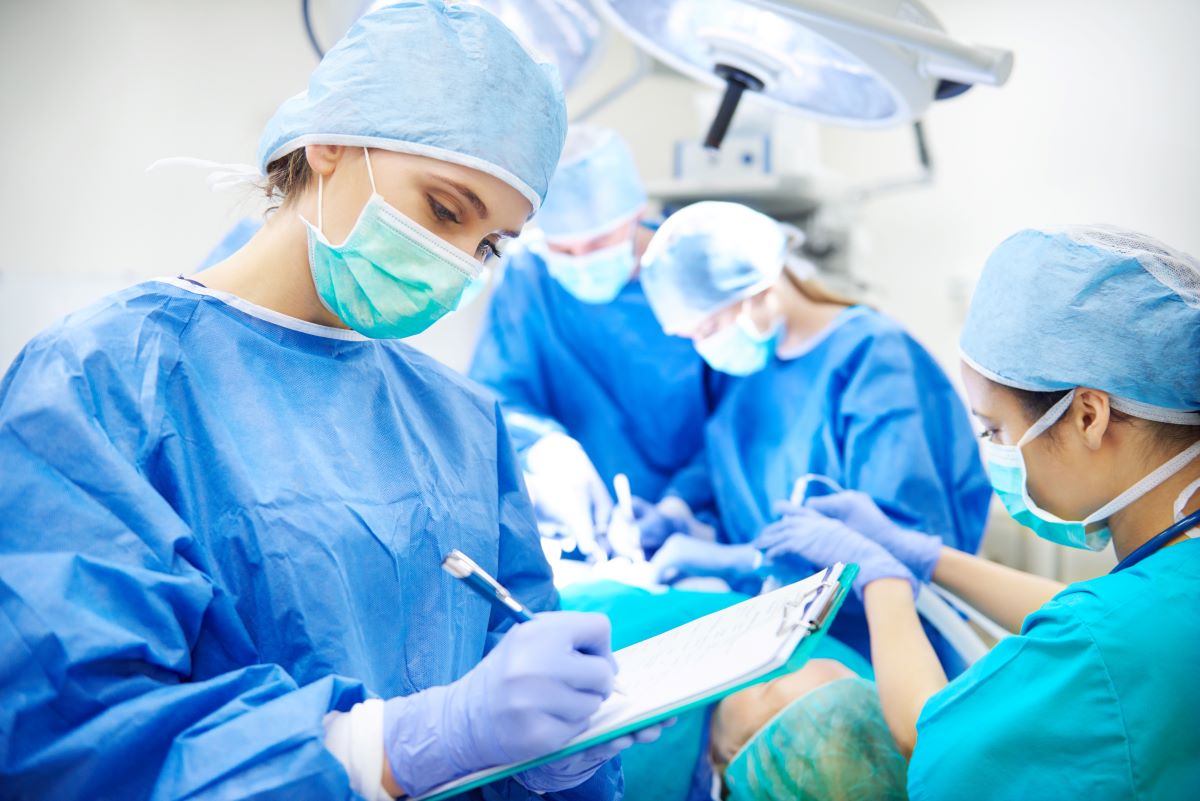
(817, 292)
(801, 272)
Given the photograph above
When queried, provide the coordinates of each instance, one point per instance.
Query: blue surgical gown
(866, 406)
(1096, 699)
(218, 524)
(605, 374)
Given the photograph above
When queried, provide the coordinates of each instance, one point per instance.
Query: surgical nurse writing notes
(226, 499)
(1081, 357)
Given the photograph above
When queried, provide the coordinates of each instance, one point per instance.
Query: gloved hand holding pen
(531, 695)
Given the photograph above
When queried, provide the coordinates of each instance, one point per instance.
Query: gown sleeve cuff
(356, 739)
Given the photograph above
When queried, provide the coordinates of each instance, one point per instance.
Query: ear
(322, 159)
(1093, 415)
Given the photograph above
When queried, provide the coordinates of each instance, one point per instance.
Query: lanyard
(1158, 541)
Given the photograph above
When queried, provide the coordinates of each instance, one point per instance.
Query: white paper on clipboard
(704, 658)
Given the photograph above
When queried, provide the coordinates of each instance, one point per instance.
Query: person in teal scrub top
(1081, 356)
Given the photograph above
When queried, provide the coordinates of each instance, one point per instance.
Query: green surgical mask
(1010, 479)
(596, 277)
(391, 278)
(739, 349)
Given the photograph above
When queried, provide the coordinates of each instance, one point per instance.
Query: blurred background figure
(590, 385)
(826, 394)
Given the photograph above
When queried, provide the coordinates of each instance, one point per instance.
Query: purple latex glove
(576, 769)
(682, 556)
(530, 696)
(803, 534)
(918, 552)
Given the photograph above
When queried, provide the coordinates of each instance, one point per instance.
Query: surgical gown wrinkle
(1096, 698)
(604, 374)
(215, 529)
(866, 406)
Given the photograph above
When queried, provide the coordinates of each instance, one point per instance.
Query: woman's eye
(488, 250)
(441, 212)
(988, 434)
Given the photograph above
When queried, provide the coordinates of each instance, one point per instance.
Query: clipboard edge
(797, 660)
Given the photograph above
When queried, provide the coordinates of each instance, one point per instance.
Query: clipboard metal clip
(822, 617)
(795, 610)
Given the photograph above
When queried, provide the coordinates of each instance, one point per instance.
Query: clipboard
(732, 644)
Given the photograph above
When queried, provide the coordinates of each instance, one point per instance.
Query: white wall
(1099, 123)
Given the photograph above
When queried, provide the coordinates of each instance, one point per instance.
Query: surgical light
(863, 63)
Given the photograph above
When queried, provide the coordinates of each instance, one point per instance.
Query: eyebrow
(480, 207)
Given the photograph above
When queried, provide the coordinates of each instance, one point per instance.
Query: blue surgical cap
(595, 188)
(1091, 306)
(445, 81)
(706, 257)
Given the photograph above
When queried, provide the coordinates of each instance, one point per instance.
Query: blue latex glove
(802, 534)
(918, 552)
(682, 556)
(531, 695)
(656, 525)
(574, 770)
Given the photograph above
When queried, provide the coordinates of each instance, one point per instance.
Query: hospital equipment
(624, 534)
(565, 32)
(868, 63)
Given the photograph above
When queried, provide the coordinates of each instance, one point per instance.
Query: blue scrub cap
(708, 256)
(595, 188)
(1091, 306)
(445, 81)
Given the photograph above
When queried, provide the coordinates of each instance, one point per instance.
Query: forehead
(986, 397)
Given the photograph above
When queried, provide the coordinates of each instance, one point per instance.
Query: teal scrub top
(1097, 698)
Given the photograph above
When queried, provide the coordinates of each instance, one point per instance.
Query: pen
(463, 567)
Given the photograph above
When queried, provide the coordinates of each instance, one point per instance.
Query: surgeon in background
(589, 383)
(828, 393)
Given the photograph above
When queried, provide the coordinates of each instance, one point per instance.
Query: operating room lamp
(862, 63)
(564, 32)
